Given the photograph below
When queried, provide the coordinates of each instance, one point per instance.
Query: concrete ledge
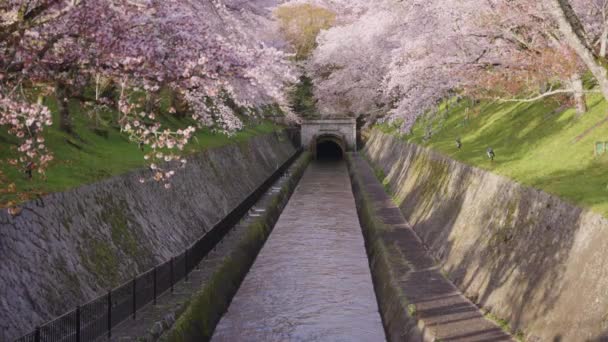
(416, 301)
(332, 121)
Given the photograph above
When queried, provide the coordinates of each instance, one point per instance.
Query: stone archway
(342, 131)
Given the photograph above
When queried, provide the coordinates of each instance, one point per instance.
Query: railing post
(37, 335)
(78, 323)
(198, 254)
(109, 314)
(134, 298)
(186, 268)
(171, 264)
(154, 287)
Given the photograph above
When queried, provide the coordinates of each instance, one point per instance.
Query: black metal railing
(97, 318)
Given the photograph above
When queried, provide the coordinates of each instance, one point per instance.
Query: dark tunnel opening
(329, 150)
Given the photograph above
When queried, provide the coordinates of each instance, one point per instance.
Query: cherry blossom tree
(199, 49)
(384, 59)
(25, 119)
(350, 63)
(594, 17)
(398, 60)
(574, 34)
(529, 61)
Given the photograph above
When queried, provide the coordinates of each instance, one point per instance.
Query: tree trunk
(604, 41)
(579, 94)
(65, 122)
(150, 102)
(178, 102)
(110, 91)
(574, 35)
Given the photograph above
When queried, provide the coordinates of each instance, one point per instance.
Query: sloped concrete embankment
(527, 256)
(71, 247)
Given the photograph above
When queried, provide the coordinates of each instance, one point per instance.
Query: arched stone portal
(320, 136)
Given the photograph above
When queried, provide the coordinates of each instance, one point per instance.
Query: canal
(311, 281)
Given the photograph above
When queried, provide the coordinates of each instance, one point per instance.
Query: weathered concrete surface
(342, 129)
(311, 281)
(74, 246)
(416, 301)
(527, 256)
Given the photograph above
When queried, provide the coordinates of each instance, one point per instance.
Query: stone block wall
(71, 247)
(529, 257)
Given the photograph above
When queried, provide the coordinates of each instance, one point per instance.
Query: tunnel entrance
(328, 149)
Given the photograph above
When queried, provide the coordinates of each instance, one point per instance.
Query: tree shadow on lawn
(587, 186)
(511, 136)
(581, 186)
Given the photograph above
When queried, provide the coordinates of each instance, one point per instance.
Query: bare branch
(545, 95)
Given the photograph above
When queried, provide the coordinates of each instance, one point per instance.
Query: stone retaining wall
(73, 246)
(530, 258)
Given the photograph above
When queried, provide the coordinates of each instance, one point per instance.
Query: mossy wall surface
(399, 323)
(70, 247)
(530, 258)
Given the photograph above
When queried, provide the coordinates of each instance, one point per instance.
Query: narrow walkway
(311, 282)
(442, 312)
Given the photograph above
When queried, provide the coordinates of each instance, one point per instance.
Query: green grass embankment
(95, 151)
(539, 144)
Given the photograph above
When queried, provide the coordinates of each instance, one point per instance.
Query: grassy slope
(535, 144)
(96, 156)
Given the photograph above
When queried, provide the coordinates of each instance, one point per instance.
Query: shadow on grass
(510, 135)
(542, 145)
(587, 186)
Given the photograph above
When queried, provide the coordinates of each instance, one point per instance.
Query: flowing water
(311, 281)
